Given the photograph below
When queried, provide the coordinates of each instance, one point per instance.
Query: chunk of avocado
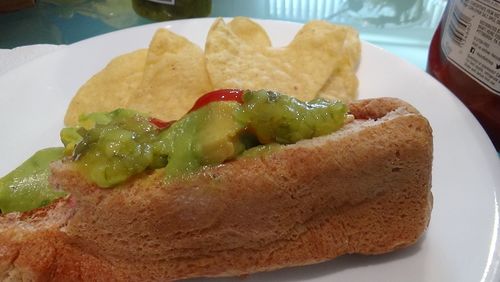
(209, 135)
(218, 137)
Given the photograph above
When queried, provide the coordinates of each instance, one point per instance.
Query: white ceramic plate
(461, 243)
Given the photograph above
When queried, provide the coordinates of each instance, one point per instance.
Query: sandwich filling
(109, 148)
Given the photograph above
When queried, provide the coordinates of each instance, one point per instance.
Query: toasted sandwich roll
(363, 189)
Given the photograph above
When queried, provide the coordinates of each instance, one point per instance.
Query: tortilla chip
(343, 83)
(299, 70)
(166, 79)
(174, 77)
(108, 89)
(250, 32)
(352, 46)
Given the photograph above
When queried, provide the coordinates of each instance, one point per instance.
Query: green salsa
(118, 145)
(282, 119)
(109, 148)
(27, 187)
(112, 147)
(170, 10)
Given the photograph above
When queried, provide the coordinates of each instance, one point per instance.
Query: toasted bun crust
(364, 189)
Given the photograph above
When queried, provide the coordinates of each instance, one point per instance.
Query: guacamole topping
(27, 187)
(109, 148)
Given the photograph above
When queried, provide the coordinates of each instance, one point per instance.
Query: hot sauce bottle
(162, 10)
(465, 56)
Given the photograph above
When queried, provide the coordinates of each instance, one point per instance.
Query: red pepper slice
(214, 96)
(218, 95)
(160, 123)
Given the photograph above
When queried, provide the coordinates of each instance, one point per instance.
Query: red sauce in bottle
(466, 81)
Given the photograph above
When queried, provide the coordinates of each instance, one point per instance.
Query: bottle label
(167, 2)
(471, 40)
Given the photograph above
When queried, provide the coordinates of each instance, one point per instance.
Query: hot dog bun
(363, 189)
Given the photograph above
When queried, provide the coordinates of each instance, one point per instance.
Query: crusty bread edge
(376, 111)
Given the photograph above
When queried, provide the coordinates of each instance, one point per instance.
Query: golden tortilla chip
(166, 79)
(250, 32)
(174, 77)
(343, 83)
(300, 69)
(352, 46)
(108, 89)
